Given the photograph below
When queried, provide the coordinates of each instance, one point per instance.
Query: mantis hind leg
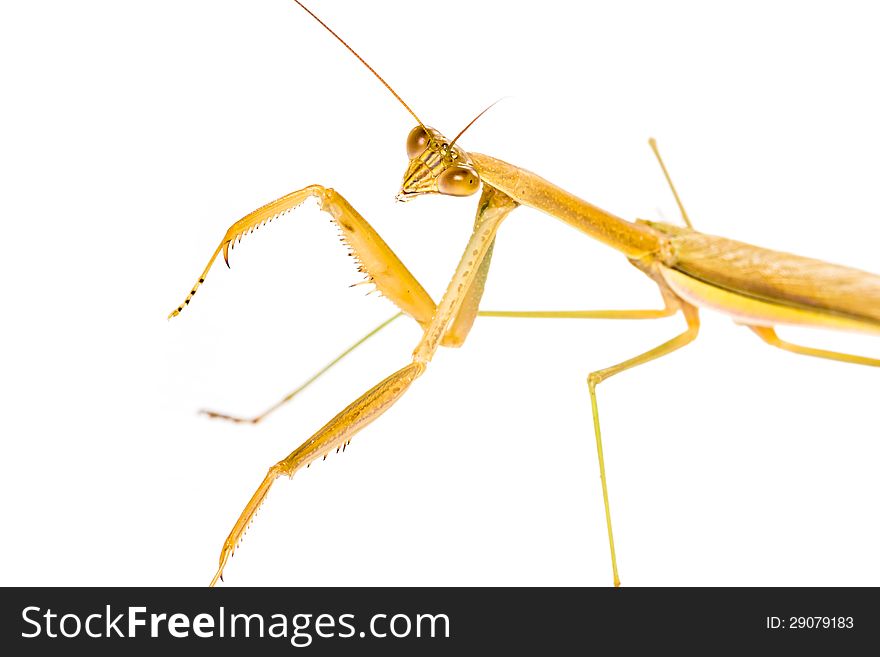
(658, 313)
(289, 396)
(768, 335)
(595, 378)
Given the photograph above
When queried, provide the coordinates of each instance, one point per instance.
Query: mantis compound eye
(416, 142)
(458, 181)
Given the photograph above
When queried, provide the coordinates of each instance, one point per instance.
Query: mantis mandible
(758, 288)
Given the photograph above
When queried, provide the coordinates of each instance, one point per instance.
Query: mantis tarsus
(757, 287)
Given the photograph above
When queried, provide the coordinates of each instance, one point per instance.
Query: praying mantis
(758, 288)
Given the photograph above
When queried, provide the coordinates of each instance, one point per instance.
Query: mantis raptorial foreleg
(375, 258)
(457, 330)
(595, 378)
(340, 430)
(768, 335)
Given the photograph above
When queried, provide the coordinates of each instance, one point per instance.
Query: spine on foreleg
(354, 417)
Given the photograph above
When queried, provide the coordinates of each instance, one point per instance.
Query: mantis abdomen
(762, 287)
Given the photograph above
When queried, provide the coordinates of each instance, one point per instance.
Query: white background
(133, 134)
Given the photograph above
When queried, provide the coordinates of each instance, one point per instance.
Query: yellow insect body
(770, 287)
(757, 287)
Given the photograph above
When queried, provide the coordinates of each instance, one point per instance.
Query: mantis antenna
(474, 120)
(653, 144)
(362, 61)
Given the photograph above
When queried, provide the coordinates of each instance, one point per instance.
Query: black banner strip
(437, 621)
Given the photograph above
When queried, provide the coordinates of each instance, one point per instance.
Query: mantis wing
(777, 277)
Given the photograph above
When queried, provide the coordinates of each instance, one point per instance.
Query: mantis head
(436, 166)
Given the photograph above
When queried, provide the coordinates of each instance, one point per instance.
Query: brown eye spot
(416, 142)
(458, 181)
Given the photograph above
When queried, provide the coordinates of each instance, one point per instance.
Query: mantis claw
(224, 557)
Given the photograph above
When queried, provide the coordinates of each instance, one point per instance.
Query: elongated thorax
(632, 239)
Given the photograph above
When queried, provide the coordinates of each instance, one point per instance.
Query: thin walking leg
(597, 377)
(768, 335)
(303, 386)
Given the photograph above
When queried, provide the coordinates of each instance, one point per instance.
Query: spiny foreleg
(374, 257)
(333, 435)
